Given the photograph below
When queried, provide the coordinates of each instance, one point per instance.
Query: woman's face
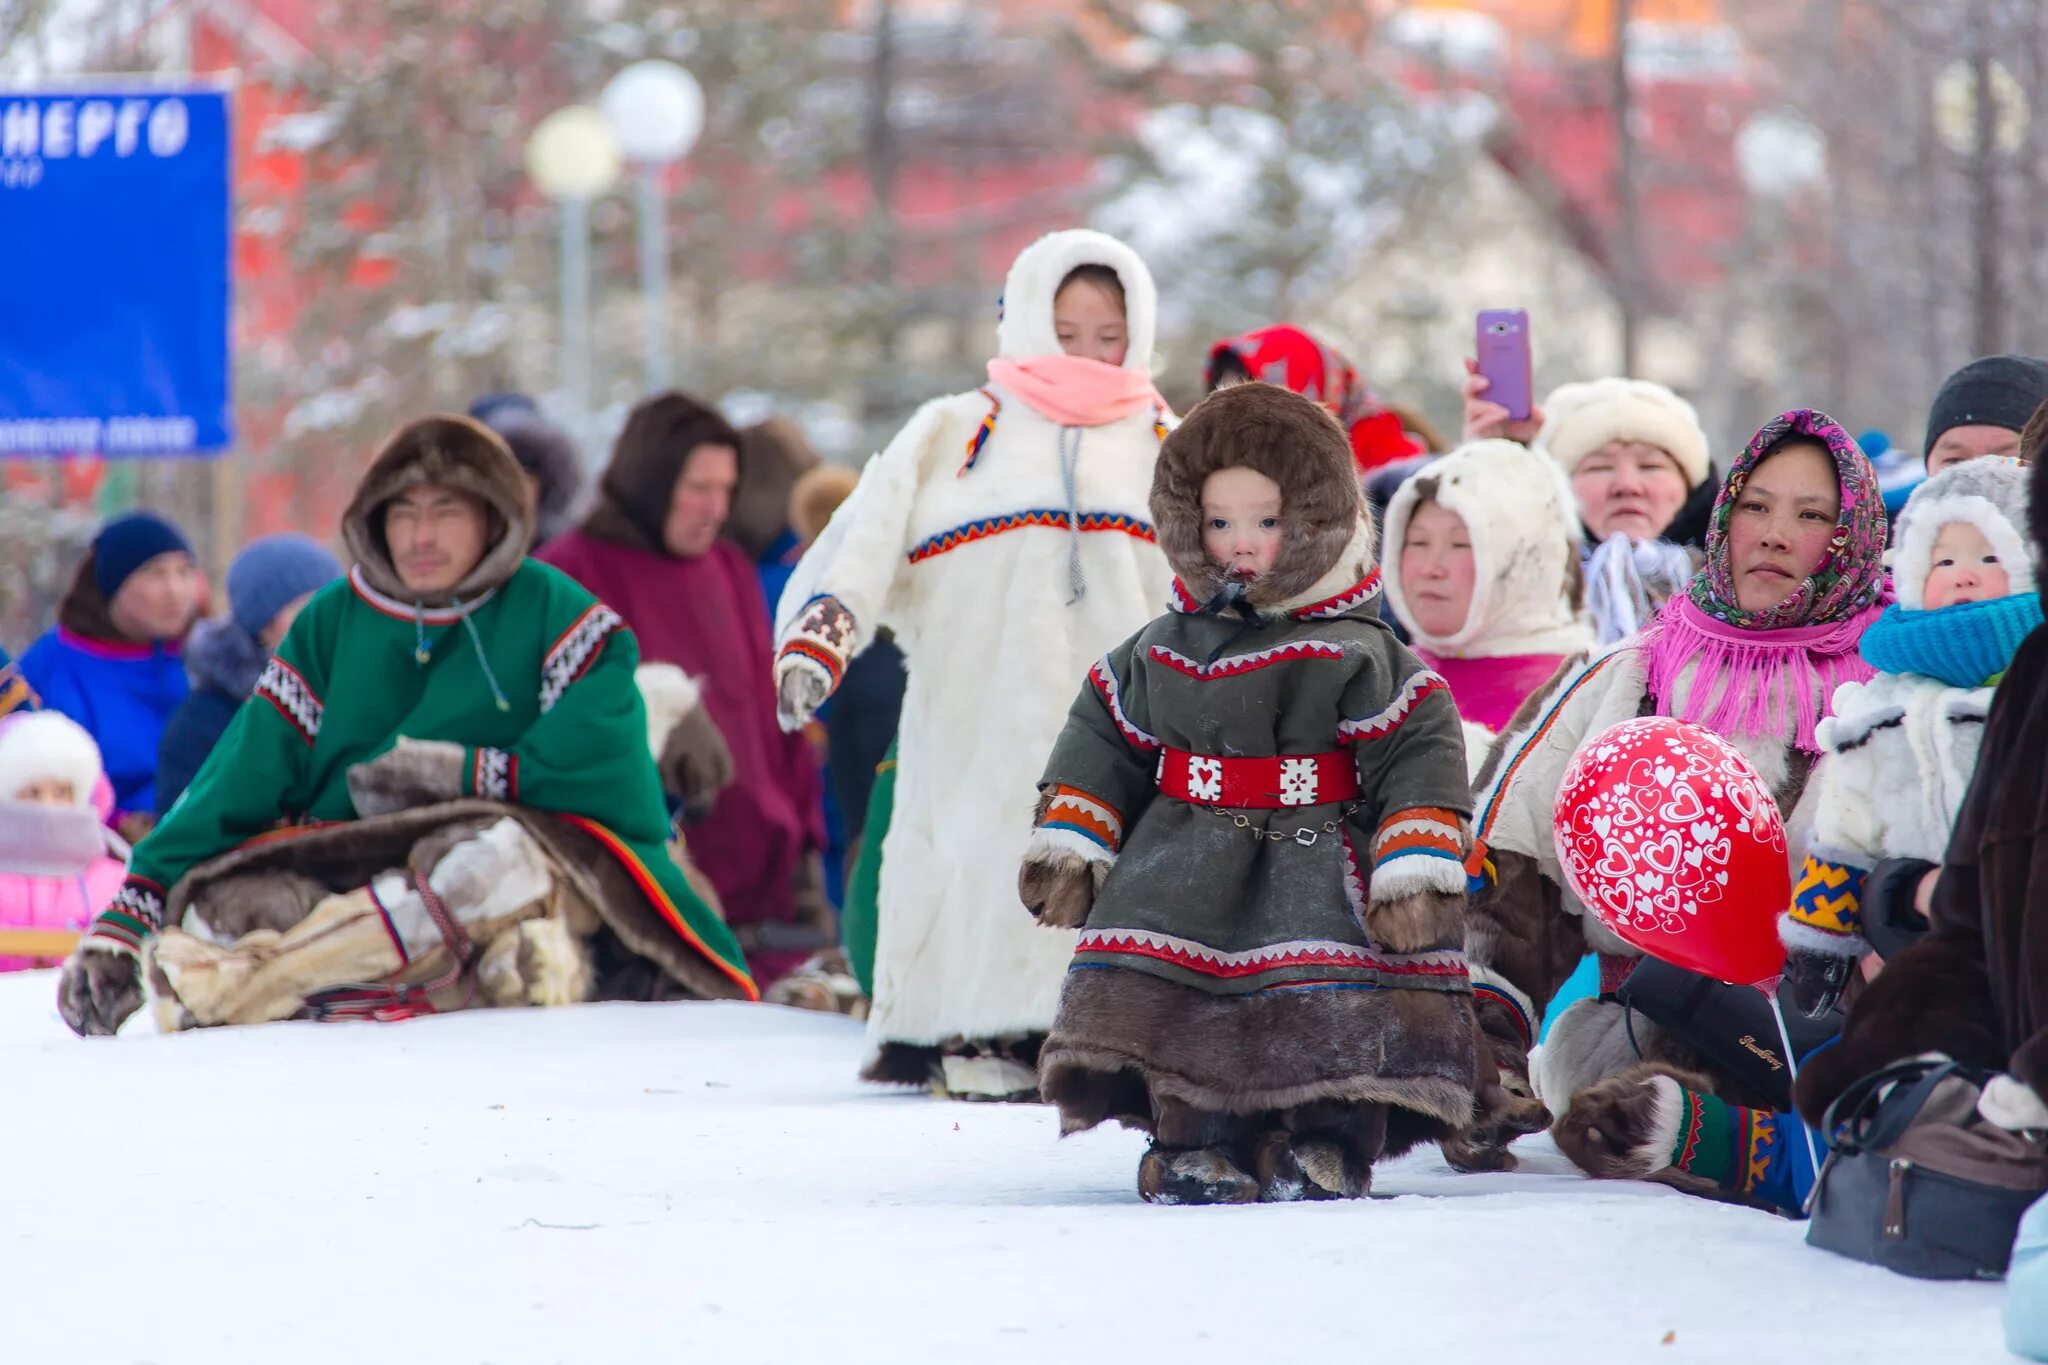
(1436, 569)
(1090, 322)
(1779, 530)
(1628, 488)
(1965, 569)
(1241, 528)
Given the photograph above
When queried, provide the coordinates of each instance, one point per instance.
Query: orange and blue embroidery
(1017, 521)
(982, 432)
(1078, 812)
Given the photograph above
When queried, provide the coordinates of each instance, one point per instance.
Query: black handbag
(1932, 1197)
(1730, 1026)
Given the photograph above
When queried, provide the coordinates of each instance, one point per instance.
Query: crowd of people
(742, 721)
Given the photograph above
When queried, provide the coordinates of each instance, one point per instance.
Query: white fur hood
(1026, 329)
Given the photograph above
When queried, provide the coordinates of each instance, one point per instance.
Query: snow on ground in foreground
(708, 1183)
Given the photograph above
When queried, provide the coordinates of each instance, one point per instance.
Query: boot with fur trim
(1193, 1175)
(1290, 1168)
(535, 962)
(991, 1070)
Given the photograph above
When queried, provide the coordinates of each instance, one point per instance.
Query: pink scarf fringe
(1076, 391)
(1750, 683)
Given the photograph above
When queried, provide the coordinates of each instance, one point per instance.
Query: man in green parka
(447, 687)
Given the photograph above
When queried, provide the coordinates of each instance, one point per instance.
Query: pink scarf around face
(1751, 683)
(1076, 391)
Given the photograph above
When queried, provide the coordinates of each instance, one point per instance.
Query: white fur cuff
(1411, 873)
(1056, 847)
(1653, 1153)
(1799, 935)
(2012, 1104)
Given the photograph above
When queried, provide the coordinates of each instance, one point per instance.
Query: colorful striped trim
(813, 652)
(1104, 678)
(658, 898)
(402, 611)
(1429, 831)
(282, 686)
(575, 652)
(119, 930)
(982, 432)
(1079, 813)
(1177, 599)
(1383, 723)
(1159, 421)
(1525, 1027)
(1476, 859)
(1238, 664)
(1198, 957)
(1691, 1129)
(1017, 521)
(117, 649)
(1351, 599)
(1756, 1140)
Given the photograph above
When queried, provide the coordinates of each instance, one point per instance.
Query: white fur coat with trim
(1516, 808)
(969, 567)
(1898, 755)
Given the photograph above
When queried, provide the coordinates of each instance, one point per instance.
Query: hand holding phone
(1502, 347)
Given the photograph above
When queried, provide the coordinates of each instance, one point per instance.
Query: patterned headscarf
(1848, 580)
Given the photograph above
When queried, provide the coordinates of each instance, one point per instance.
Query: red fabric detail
(1614, 969)
(1258, 783)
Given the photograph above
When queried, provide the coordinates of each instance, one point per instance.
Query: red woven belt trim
(1281, 783)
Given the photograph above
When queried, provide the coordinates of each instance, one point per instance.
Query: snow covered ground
(708, 1183)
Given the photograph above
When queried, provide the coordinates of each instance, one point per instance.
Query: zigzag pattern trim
(1385, 722)
(1419, 831)
(495, 775)
(1177, 599)
(284, 689)
(1017, 521)
(1351, 599)
(1078, 812)
(982, 432)
(575, 652)
(1246, 663)
(1354, 880)
(1215, 962)
(1829, 897)
(1104, 678)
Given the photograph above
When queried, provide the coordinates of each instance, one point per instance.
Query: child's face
(49, 792)
(1436, 569)
(1090, 322)
(1241, 528)
(1966, 569)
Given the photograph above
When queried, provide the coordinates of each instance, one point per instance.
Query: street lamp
(572, 159)
(656, 110)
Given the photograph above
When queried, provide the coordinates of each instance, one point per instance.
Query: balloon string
(1792, 1061)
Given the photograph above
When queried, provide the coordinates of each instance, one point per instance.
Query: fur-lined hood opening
(1528, 590)
(448, 452)
(1027, 330)
(1991, 494)
(1296, 443)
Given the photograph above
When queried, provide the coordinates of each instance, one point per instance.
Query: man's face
(1958, 444)
(702, 499)
(435, 535)
(157, 601)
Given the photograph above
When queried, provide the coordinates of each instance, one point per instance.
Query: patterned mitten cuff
(134, 916)
(1827, 908)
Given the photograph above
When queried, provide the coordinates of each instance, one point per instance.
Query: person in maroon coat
(650, 550)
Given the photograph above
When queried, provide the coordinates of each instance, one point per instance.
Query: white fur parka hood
(1026, 329)
(1528, 592)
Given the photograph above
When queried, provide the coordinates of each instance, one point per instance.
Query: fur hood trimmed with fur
(1528, 591)
(1990, 493)
(1296, 443)
(448, 452)
(1027, 330)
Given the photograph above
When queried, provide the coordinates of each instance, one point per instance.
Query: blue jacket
(121, 692)
(224, 662)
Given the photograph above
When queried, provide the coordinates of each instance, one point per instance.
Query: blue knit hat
(272, 573)
(127, 543)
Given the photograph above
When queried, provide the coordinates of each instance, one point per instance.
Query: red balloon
(1667, 834)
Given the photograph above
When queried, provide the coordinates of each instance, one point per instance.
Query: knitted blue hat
(127, 543)
(271, 573)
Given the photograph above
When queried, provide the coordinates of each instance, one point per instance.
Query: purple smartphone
(1503, 353)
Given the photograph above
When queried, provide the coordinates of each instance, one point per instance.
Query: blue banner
(114, 238)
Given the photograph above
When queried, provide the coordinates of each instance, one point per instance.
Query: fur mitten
(695, 763)
(812, 660)
(1417, 922)
(1059, 888)
(415, 772)
(100, 986)
(1626, 1127)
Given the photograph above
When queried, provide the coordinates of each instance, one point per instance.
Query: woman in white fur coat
(1753, 652)
(1004, 538)
(1484, 553)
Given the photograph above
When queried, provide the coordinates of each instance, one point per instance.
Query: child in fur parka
(1901, 748)
(1254, 815)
